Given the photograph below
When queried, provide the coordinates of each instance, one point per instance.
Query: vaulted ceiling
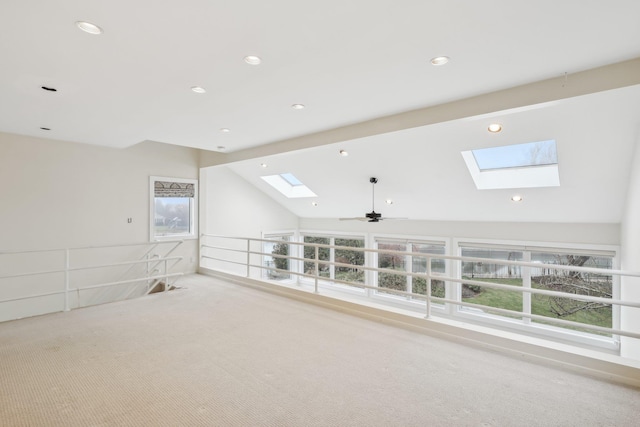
(362, 70)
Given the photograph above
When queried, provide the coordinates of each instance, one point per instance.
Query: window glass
(391, 261)
(495, 273)
(323, 254)
(341, 256)
(419, 265)
(173, 208)
(345, 256)
(573, 282)
(275, 259)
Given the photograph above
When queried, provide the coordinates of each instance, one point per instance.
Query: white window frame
(332, 236)
(408, 239)
(193, 218)
(293, 252)
(527, 327)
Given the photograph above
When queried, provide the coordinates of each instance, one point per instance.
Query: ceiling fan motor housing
(373, 216)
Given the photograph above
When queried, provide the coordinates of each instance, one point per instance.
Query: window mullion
(526, 284)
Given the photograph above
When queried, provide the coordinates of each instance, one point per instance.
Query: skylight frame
(284, 183)
(534, 175)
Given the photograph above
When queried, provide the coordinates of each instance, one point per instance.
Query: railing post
(317, 269)
(249, 257)
(166, 276)
(66, 280)
(428, 300)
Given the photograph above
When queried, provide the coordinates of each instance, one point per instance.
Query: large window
(173, 208)
(414, 262)
(350, 259)
(543, 277)
(275, 259)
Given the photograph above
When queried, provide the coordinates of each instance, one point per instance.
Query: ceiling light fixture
(314, 203)
(252, 60)
(221, 147)
(389, 201)
(439, 60)
(516, 198)
(494, 127)
(225, 130)
(198, 89)
(298, 106)
(264, 165)
(344, 153)
(88, 27)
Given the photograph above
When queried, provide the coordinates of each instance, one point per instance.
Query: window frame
(534, 328)
(330, 281)
(193, 208)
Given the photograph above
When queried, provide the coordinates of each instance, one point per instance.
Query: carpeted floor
(216, 354)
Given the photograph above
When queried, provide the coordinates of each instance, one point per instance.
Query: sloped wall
(231, 206)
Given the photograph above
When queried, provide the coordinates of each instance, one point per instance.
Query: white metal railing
(245, 248)
(140, 265)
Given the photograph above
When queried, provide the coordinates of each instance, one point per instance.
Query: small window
(173, 208)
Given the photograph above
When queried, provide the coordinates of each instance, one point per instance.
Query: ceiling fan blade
(360, 218)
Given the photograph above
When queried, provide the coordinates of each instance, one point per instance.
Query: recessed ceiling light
(314, 203)
(344, 153)
(198, 89)
(252, 60)
(88, 27)
(221, 147)
(264, 165)
(389, 201)
(225, 130)
(49, 89)
(516, 198)
(494, 127)
(45, 128)
(297, 106)
(439, 60)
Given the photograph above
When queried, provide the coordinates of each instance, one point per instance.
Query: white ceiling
(348, 62)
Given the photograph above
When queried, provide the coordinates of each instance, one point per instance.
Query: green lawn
(540, 304)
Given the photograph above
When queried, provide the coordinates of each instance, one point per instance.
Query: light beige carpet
(216, 354)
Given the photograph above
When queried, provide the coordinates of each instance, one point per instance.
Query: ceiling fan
(372, 216)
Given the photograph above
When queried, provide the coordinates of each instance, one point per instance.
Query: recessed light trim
(225, 130)
(495, 128)
(263, 165)
(389, 201)
(252, 60)
(517, 198)
(314, 203)
(344, 153)
(198, 89)
(298, 106)
(88, 27)
(439, 60)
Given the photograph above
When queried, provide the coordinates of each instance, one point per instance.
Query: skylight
(527, 165)
(515, 156)
(289, 185)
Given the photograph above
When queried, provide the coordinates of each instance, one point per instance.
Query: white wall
(631, 258)
(604, 234)
(231, 206)
(56, 194)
